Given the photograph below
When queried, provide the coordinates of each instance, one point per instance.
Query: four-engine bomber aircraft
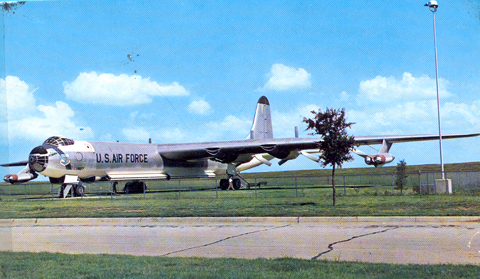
(71, 162)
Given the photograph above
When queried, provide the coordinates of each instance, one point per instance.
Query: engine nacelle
(222, 156)
(379, 159)
(280, 153)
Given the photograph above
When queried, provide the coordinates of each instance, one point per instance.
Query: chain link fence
(294, 186)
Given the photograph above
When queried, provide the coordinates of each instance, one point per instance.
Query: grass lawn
(270, 203)
(55, 265)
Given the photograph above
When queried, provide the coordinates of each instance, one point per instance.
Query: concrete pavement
(423, 240)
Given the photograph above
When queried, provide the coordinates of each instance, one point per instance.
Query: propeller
(16, 164)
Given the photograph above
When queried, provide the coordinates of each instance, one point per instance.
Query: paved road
(423, 240)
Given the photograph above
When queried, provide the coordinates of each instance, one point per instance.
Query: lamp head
(432, 5)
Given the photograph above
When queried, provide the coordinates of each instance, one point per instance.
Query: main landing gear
(135, 187)
(236, 183)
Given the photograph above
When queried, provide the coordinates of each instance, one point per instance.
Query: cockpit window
(59, 141)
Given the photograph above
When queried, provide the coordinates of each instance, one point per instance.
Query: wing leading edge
(277, 147)
(366, 140)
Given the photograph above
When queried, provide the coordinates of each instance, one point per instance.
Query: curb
(154, 221)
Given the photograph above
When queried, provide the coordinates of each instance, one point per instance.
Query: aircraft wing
(367, 140)
(235, 151)
(229, 151)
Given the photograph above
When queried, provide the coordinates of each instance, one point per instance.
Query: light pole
(433, 6)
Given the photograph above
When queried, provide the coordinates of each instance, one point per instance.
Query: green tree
(401, 176)
(335, 144)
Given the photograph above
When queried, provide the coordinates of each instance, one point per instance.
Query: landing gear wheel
(79, 190)
(135, 187)
(236, 184)
(223, 184)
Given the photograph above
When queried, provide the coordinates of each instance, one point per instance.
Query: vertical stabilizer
(262, 122)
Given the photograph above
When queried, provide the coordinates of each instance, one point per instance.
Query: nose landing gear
(76, 190)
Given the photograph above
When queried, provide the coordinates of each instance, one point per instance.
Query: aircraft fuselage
(116, 161)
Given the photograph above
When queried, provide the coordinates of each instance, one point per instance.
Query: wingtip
(263, 100)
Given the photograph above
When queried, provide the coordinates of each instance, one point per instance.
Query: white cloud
(121, 90)
(138, 134)
(284, 122)
(416, 118)
(199, 107)
(20, 100)
(284, 78)
(171, 135)
(409, 88)
(231, 126)
(344, 96)
(141, 134)
(37, 123)
(53, 120)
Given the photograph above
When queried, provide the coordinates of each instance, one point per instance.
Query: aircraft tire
(127, 188)
(224, 184)
(237, 184)
(79, 190)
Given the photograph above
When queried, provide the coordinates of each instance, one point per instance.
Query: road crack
(223, 239)
(330, 246)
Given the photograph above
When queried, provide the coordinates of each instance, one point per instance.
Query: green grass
(273, 202)
(55, 265)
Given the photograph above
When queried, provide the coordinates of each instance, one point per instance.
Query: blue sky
(186, 71)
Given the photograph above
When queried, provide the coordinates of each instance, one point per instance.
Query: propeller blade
(16, 164)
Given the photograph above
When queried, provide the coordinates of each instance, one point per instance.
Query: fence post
(456, 181)
(296, 189)
(179, 181)
(476, 180)
(428, 186)
(420, 182)
(393, 184)
(25, 191)
(344, 189)
(216, 188)
(255, 187)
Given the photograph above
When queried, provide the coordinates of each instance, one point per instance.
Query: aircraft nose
(38, 159)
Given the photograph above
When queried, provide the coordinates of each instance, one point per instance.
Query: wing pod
(376, 160)
(24, 175)
(284, 154)
(379, 160)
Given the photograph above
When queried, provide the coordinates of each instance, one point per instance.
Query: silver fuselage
(122, 161)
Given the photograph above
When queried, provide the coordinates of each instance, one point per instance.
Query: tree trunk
(333, 186)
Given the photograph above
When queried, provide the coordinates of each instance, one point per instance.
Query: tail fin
(262, 122)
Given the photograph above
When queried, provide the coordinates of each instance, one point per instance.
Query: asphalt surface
(404, 240)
